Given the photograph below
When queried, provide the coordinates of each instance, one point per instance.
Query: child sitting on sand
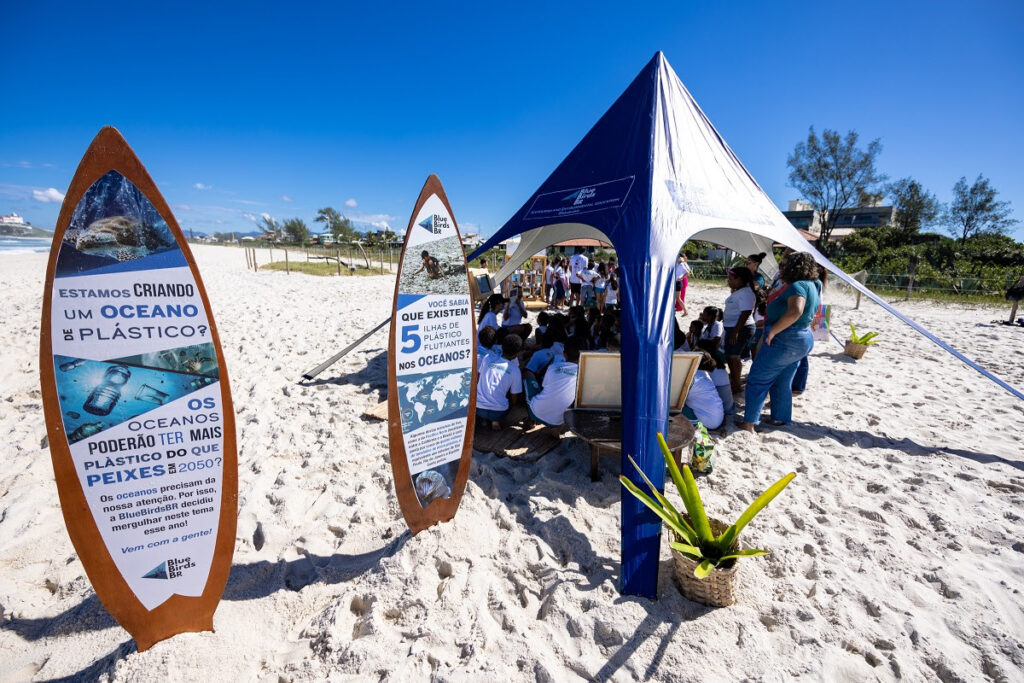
(486, 339)
(703, 402)
(500, 382)
(547, 404)
(489, 311)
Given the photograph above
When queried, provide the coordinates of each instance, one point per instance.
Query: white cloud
(50, 195)
(182, 207)
(266, 216)
(247, 202)
(351, 203)
(250, 216)
(286, 198)
(200, 186)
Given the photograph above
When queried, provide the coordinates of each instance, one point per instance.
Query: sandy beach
(897, 553)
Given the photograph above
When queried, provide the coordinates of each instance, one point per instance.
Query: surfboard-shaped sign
(432, 356)
(138, 411)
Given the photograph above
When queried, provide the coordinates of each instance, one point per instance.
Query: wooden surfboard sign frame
(440, 509)
(179, 614)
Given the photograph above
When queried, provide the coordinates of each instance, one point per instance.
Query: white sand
(898, 552)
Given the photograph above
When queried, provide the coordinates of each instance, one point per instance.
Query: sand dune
(898, 552)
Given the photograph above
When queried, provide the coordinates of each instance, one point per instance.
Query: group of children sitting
(546, 368)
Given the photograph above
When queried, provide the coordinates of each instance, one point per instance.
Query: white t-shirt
(587, 276)
(720, 377)
(560, 274)
(600, 282)
(682, 270)
(558, 393)
(549, 275)
(577, 263)
(499, 376)
(742, 299)
(490, 320)
(513, 314)
(611, 296)
(704, 401)
(712, 331)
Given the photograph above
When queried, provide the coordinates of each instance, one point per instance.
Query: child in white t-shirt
(547, 404)
(703, 402)
(500, 382)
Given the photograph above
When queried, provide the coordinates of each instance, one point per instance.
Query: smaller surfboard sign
(138, 411)
(431, 365)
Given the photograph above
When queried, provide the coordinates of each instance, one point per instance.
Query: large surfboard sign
(138, 412)
(431, 365)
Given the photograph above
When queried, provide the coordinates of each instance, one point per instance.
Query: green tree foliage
(975, 210)
(833, 173)
(339, 226)
(913, 206)
(269, 226)
(295, 230)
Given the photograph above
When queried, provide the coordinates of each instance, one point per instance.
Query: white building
(13, 219)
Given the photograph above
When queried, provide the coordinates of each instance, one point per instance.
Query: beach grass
(320, 268)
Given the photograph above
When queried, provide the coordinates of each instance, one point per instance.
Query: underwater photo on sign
(113, 223)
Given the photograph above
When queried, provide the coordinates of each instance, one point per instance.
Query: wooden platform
(514, 441)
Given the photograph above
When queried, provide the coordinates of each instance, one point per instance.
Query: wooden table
(603, 431)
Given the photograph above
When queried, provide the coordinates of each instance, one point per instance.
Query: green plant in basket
(695, 538)
(866, 340)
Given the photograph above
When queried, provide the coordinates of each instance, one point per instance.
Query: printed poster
(435, 337)
(138, 386)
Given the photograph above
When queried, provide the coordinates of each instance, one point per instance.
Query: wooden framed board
(600, 380)
(138, 410)
(431, 365)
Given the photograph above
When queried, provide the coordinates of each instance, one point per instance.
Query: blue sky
(247, 108)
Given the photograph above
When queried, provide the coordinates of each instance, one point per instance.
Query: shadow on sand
(246, 582)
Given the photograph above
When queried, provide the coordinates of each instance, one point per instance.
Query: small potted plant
(858, 344)
(704, 550)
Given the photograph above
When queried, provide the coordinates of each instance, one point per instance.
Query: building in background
(803, 217)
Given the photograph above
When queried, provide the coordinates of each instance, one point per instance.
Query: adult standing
(788, 339)
(682, 278)
(803, 370)
(577, 263)
(737, 317)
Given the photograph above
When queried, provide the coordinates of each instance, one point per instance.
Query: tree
(269, 227)
(976, 211)
(295, 229)
(913, 206)
(339, 226)
(832, 173)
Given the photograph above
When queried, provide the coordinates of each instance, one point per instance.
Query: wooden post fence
(287, 269)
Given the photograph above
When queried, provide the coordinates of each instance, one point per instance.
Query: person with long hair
(753, 264)
(489, 311)
(787, 340)
(802, 371)
(737, 317)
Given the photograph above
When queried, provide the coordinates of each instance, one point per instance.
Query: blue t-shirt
(778, 302)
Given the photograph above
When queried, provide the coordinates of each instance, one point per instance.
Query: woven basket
(855, 350)
(717, 589)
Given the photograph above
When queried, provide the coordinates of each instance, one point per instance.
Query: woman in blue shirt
(788, 339)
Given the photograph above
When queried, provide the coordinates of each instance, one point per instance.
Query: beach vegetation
(862, 339)
(295, 230)
(975, 210)
(692, 529)
(340, 226)
(834, 174)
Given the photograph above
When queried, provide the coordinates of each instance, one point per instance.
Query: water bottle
(106, 395)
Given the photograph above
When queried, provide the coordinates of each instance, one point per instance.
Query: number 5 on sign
(409, 336)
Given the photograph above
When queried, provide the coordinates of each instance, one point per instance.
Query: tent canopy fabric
(651, 174)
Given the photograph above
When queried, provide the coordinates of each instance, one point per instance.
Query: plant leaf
(730, 535)
(695, 507)
(693, 553)
(667, 504)
(666, 517)
(746, 552)
(703, 569)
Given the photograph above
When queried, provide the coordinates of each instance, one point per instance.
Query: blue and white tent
(651, 174)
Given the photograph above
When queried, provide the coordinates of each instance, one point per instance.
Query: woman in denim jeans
(788, 339)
